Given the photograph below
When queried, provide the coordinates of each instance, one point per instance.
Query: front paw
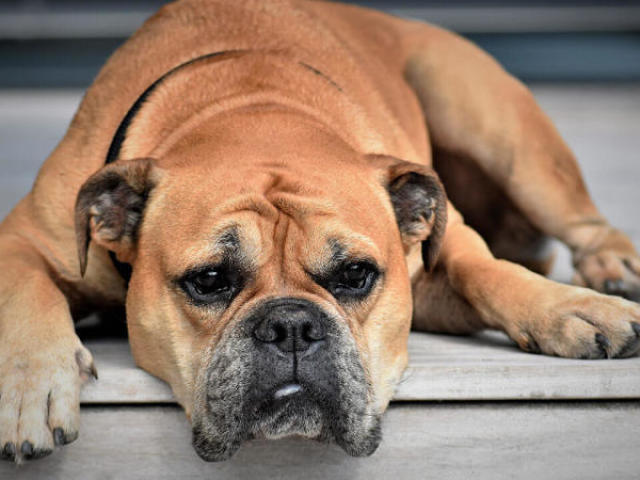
(612, 268)
(40, 396)
(580, 323)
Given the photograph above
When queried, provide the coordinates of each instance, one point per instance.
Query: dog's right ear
(109, 208)
(419, 203)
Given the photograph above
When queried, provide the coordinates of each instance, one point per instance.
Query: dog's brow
(229, 240)
(230, 248)
(223, 249)
(338, 251)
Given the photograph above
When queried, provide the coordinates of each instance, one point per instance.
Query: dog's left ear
(109, 208)
(420, 204)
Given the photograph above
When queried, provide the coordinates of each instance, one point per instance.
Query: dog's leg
(486, 209)
(438, 308)
(42, 361)
(537, 313)
(475, 109)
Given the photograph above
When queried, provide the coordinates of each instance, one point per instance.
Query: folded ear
(420, 205)
(109, 208)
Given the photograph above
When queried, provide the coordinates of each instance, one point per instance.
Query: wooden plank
(445, 441)
(119, 380)
(483, 367)
(489, 367)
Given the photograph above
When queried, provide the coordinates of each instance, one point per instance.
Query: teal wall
(530, 56)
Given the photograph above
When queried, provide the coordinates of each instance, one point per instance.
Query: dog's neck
(239, 80)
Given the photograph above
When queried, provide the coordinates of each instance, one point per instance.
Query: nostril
(265, 332)
(313, 331)
(272, 331)
(280, 333)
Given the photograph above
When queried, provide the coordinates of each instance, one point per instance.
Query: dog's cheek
(357, 424)
(222, 385)
(161, 339)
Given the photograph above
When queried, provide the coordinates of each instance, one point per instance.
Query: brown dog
(240, 162)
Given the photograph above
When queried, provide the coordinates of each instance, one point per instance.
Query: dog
(278, 191)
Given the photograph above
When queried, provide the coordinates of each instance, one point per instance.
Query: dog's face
(269, 285)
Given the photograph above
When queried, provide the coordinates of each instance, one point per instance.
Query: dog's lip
(287, 390)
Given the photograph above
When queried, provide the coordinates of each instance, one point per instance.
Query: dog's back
(361, 50)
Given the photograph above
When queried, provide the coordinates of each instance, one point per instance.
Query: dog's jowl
(276, 207)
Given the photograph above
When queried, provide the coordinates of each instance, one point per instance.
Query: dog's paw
(612, 268)
(40, 396)
(585, 324)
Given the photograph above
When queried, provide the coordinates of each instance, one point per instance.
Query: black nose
(292, 325)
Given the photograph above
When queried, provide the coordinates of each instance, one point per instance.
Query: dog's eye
(354, 276)
(353, 280)
(210, 282)
(210, 285)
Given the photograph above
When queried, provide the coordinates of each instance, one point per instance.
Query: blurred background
(580, 57)
(62, 43)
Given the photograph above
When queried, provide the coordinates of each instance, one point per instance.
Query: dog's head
(269, 285)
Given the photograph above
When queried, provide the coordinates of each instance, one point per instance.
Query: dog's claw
(62, 438)
(9, 451)
(620, 288)
(94, 371)
(26, 449)
(58, 436)
(604, 344)
(614, 287)
(633, 344)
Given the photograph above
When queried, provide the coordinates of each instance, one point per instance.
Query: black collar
(121, 132)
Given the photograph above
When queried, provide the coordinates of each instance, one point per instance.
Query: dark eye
(354, 276)
(210, 282)
(353, 280)
(210, 285)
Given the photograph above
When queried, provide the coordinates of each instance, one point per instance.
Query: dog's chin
(300, 416)
(297, 416)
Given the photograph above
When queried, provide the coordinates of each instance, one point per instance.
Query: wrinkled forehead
(258, 211)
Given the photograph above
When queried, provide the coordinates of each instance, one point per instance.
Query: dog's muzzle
(288, 368)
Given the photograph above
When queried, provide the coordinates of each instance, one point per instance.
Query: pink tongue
(287, 390)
